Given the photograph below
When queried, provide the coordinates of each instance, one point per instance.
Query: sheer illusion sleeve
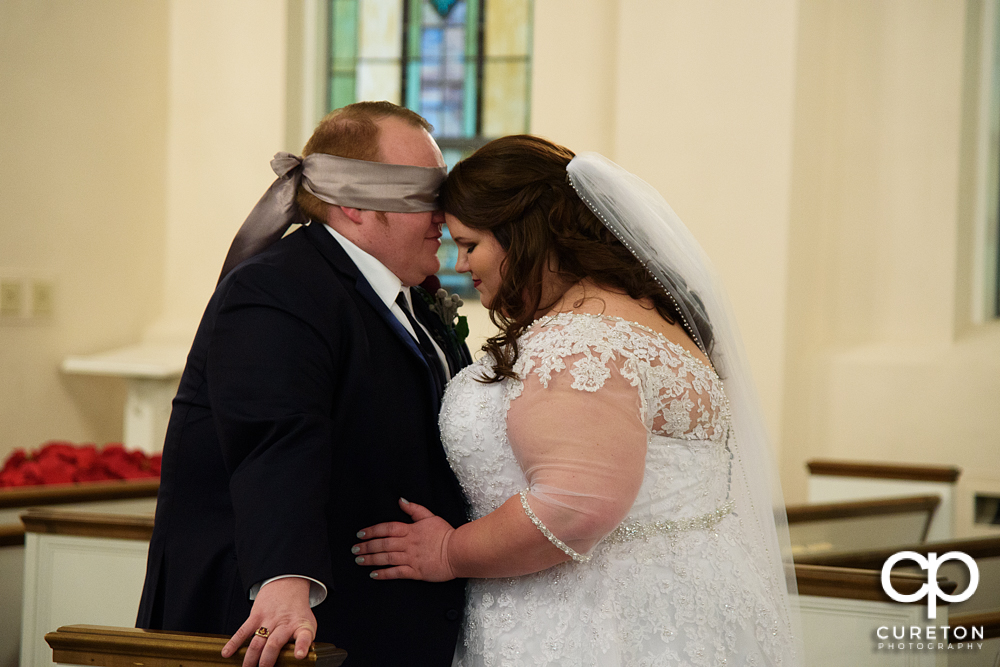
(577, 431)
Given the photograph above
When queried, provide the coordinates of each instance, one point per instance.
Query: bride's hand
(417, 550)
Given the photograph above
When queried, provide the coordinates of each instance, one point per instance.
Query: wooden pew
(835, 481)
(841, 610)
(985, 551)
(841, 607)
(860, 524)
(11, 568)
(80, 567)
(121, 496)
(989, 620)
(982, 610)
(124, 494)
(102, 646)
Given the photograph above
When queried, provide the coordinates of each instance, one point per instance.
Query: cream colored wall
(82, 194)
(705, 115)
(822, 152)
(883, 361)
(136, 138)
(697, 99)
(226, 120)
(574, 67)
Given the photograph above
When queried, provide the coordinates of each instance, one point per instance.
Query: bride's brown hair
(516, 188)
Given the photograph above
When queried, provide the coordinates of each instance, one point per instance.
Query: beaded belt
(634, 530)
(639, 530)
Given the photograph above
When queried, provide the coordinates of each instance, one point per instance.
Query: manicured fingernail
(404, 500)
(374, 575)
(359, 560)
(361, 533)
(355, 550)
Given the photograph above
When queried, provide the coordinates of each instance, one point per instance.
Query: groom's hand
(282, 608)
(417, 550)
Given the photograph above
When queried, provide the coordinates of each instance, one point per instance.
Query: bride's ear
(552, 263)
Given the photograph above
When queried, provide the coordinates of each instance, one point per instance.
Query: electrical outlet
(11, 297)
(42, 299)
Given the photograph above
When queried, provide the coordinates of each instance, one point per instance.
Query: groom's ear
(353, 214)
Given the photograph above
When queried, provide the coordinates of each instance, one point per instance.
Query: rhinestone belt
(638, 530)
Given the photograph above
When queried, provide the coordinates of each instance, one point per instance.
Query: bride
(609, 442)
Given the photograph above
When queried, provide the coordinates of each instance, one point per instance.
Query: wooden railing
(11, 535)
(88, 524)
(860, 524)
(103, 646)
(922, 473)
(989, 621)
(976, 547)
(854, 584)
(862, 508)
(84, 492)
(14, 500)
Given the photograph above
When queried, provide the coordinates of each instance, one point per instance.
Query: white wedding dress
(677, 582)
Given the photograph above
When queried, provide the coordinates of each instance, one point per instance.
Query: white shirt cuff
(317, 591)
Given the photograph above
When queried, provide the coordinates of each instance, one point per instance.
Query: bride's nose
(462, 263)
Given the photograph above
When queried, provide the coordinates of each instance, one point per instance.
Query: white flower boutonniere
(446, 307)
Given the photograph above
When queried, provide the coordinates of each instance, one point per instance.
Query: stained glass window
(464, 65)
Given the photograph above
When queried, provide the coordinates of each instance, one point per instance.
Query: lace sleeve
(575, 427)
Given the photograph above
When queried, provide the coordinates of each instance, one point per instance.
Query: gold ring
(262, 632)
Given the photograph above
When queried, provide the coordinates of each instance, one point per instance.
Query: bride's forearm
(504, 543)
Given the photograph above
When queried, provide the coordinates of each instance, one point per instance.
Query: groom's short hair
(352, 132)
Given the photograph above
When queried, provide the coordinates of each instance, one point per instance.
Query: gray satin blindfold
(371, 186)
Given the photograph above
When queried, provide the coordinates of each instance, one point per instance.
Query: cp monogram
(930, 590)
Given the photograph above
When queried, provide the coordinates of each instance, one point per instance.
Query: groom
(309, 406)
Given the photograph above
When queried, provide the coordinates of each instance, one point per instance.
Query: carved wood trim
(11, 535)
(989, 620)
(873, 559)
(88, 524)
(883, 470)
(125, 647)
(856, 508)
(60, 494)
(853, 584)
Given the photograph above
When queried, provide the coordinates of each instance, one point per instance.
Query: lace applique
(684, 396)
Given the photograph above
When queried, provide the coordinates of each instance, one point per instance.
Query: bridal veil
(642, 220)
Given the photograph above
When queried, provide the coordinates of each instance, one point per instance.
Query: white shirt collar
(385, 283)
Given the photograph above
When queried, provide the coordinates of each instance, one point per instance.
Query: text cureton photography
(929, 637)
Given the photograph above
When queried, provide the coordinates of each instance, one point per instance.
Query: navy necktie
(425, 345)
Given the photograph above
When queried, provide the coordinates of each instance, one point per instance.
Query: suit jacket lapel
(340, 261)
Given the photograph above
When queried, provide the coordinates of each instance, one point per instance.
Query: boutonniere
(446, 306)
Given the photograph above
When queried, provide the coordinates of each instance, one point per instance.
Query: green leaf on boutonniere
(462, 328)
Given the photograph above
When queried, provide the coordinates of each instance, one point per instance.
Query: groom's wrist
(317, 590)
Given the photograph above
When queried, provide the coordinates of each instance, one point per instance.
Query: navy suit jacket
(304, 412)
